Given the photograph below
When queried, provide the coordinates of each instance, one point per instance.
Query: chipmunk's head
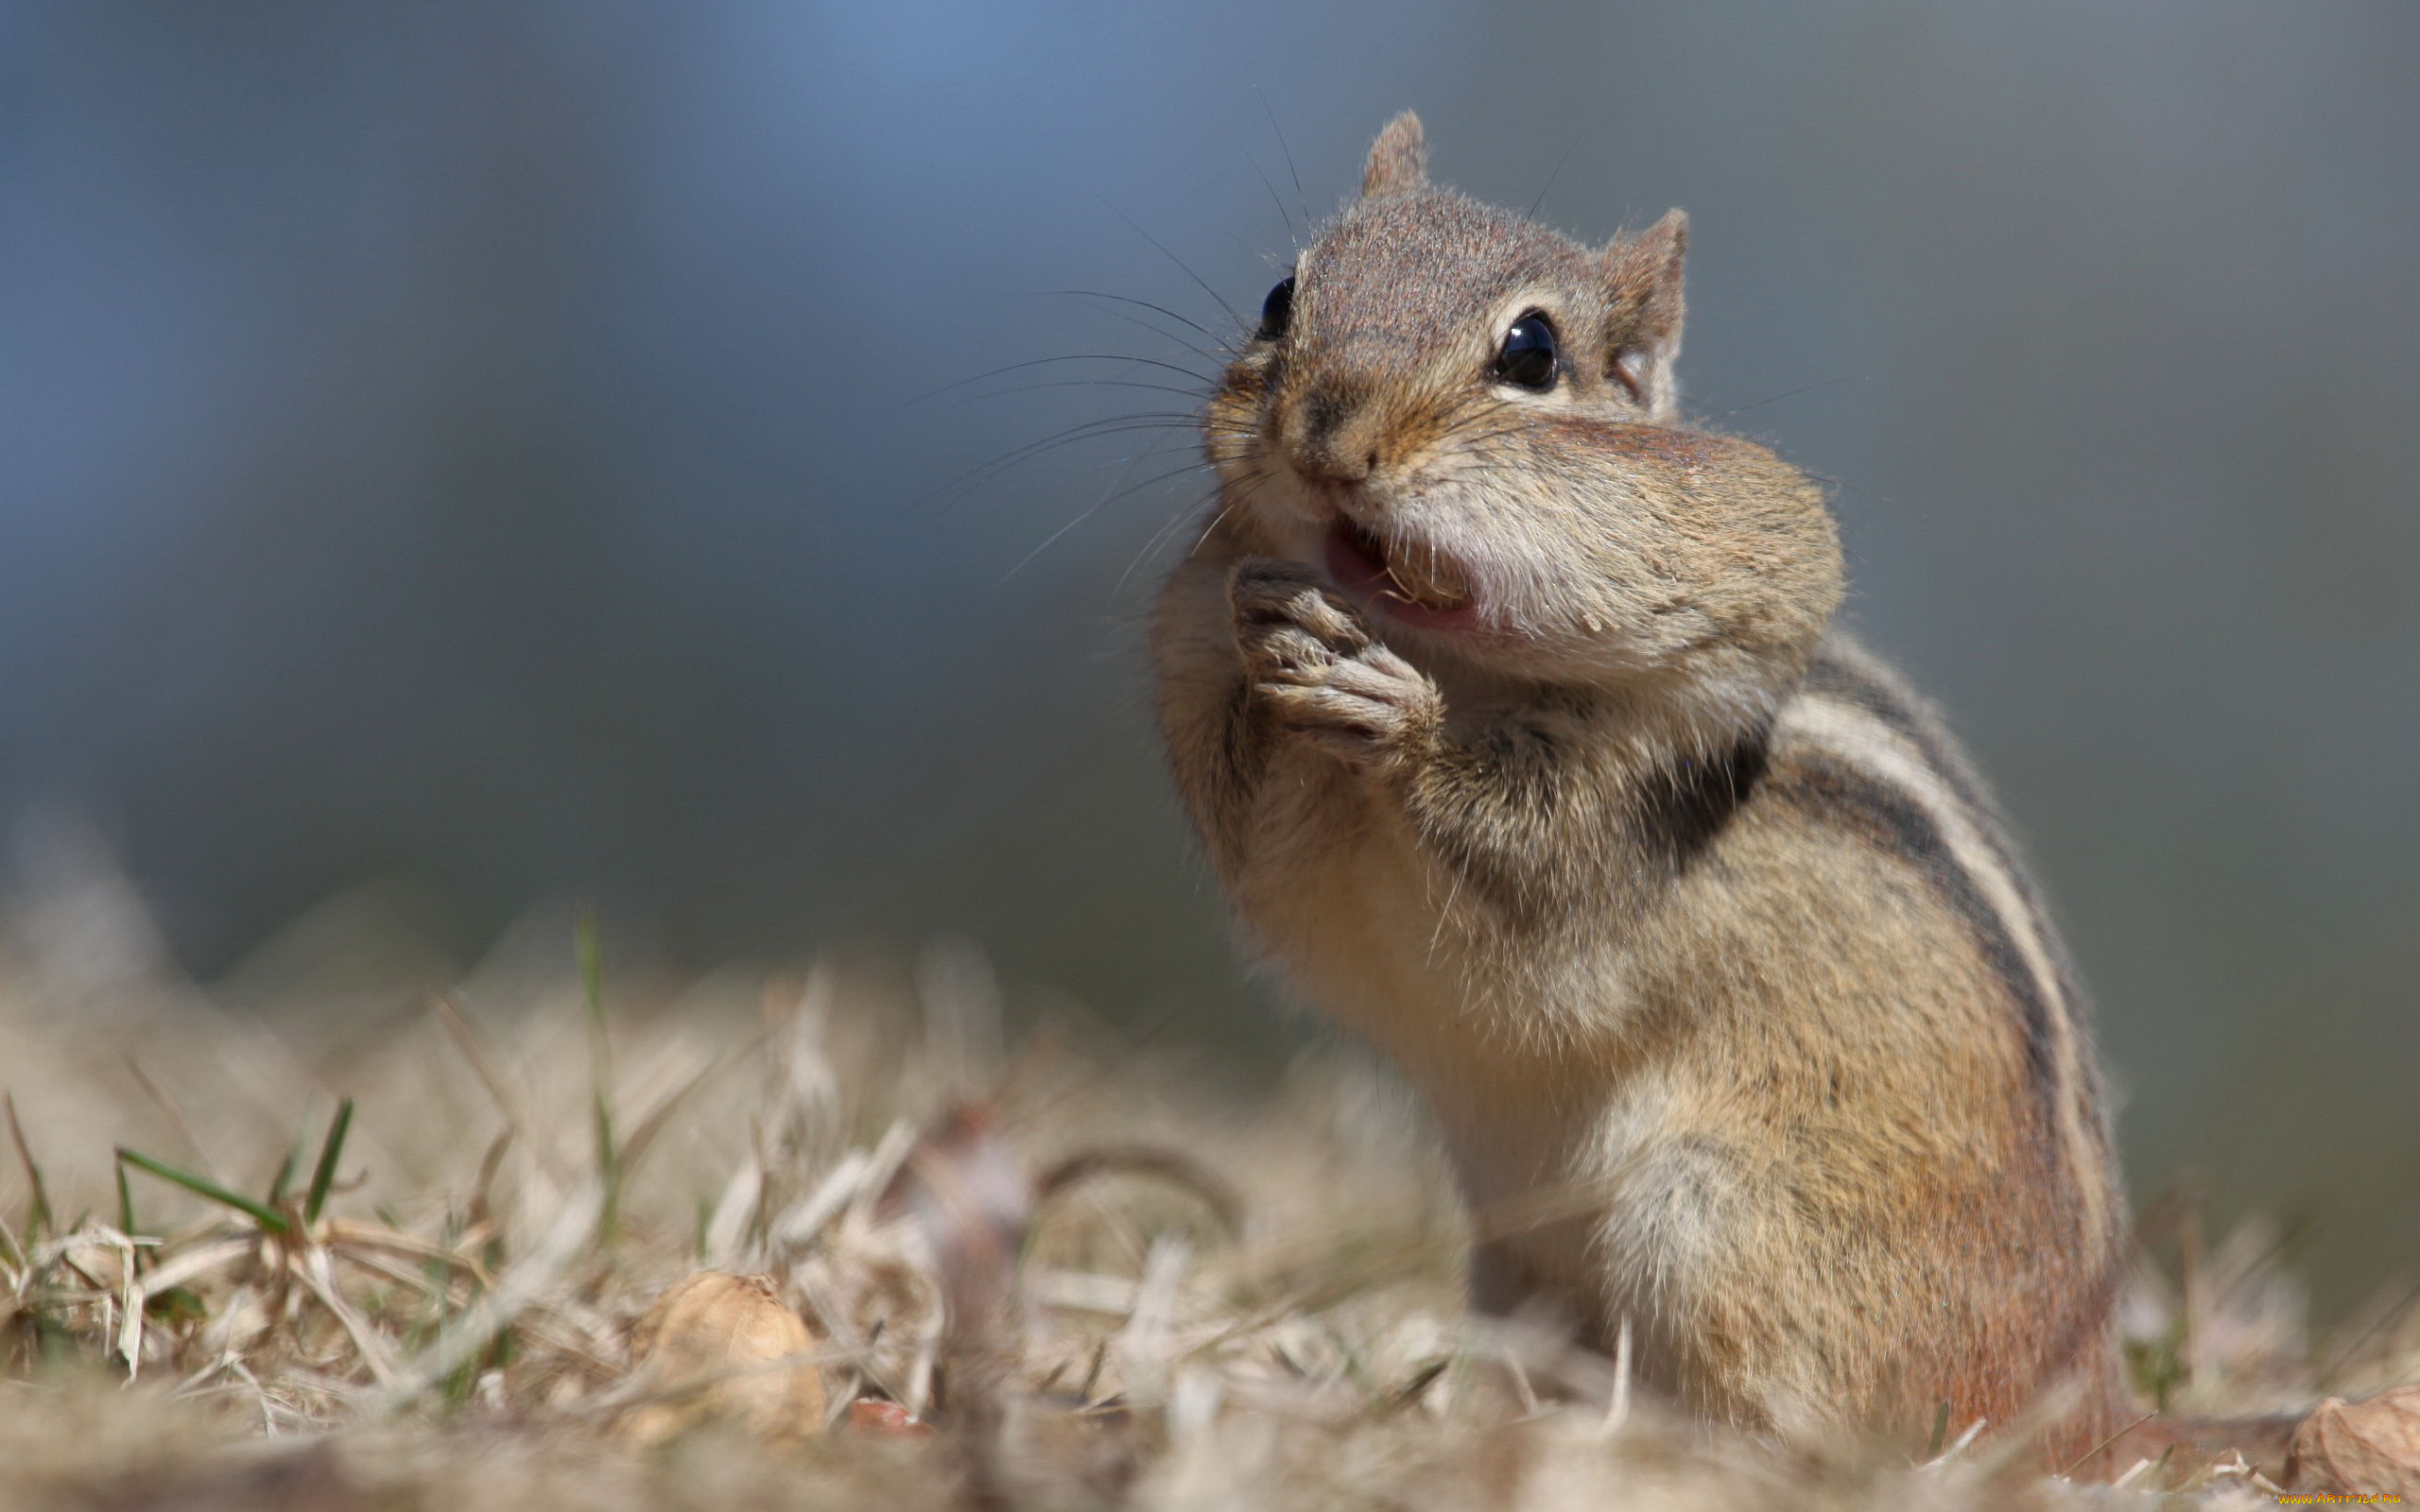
(1469, 422)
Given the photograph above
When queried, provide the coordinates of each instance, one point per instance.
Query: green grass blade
(325, 1175)
(591, 963)
(285, 1182)
(125, 1204)
(267, 1217)
(330, 1152)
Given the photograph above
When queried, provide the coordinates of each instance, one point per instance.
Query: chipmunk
(1512, 713)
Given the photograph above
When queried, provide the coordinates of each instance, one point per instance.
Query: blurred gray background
(478, 450)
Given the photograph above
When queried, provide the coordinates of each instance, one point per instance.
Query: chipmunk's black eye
(1527, 358)
(1277, 311)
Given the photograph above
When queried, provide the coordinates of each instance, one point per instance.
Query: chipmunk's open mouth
(1413, 582)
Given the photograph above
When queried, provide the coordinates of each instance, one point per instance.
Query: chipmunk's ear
(1645, 271)
(1398, 160)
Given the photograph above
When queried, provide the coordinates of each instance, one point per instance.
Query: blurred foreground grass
(266, 1255)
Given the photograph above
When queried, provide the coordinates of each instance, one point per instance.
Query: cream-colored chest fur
(1574, 1156)
(1382, 937)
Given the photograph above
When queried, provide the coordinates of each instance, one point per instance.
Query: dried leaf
(884, 1419)
(725, 1346)
(967, 1191)
(2365, 1447)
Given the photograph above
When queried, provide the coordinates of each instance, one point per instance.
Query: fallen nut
(712, 1345)
(2365, 1447)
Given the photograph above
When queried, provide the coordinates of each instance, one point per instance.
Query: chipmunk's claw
(1310, 661)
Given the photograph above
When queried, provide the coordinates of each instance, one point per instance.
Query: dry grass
(431, 1307)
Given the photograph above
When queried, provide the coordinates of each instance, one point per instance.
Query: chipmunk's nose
(1330, 435)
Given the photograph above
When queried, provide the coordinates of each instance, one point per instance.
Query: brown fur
(1691, 924)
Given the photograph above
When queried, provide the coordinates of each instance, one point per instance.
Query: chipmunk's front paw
(1308, 659)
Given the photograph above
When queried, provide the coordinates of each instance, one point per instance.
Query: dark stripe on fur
(1890, 821)
(1837, 677)
(1680, 810)
(1843, 674)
